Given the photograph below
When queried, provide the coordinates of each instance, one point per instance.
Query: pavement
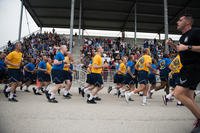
(33, 114)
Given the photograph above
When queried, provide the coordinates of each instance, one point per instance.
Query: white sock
(37, 90)
(8, 89)
(82, 88)
(152, 90)
(144, 99)
(52, 95)
(85, 90)
(91, 97)
(11, 95)
(132, 93)
(179, 102)
(169, 96)
(65, 92)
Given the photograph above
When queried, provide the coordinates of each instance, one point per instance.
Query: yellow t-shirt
(48, 68)
(89, 69)
(67, 61)
(122, 68)
(15, 58)
(98, 61)
(176, 65)
(142, 63)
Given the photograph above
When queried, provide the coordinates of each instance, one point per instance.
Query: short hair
(146, 50)
(17, 43)
(189, 18)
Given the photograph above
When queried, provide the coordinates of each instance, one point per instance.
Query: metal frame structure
(148, 16)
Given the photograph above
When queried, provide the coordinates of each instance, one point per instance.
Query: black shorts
(164, 75)
(119, 78)
(28, 77)
(57, 76)
(66, 75)
(14, 75)
(88, 80)
(190, 76)
(96, 79)
(70, 77)
(43, 77)
(129, 80)
(152, 79)
(143, 77)
(2, 74)
(175, 80)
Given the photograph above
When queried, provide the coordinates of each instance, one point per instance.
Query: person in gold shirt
(121, 76)
(68, 75)
(175, 67)
(143, 65)
(96, 71)
(13, 61)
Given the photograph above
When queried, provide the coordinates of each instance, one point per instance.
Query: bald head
(63, 49)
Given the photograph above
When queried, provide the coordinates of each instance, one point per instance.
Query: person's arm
(182, 47)
(151, 68)
(12, 64)
(41, 69)
(26, 69)
(170, 43)
(129, 72)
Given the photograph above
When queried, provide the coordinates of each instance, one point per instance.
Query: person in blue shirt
(130, 78)
(152, 78)
(3, 68)
(29, 74)
(117, 62)
(163, 66)
(42, 75)
(57, 74)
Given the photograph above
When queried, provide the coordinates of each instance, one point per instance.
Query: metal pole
(82, 34)
(166, 25)
(80, 17)
(20, 21)
(71, 25)
(40, 30)
(135, 24)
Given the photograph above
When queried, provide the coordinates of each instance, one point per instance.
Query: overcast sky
(9, 24)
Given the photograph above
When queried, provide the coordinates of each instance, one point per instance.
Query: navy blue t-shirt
(60, 57)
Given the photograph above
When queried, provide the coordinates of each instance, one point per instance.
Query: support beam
(79, 27)
(135, 24)
(129, 14)
(40, 30)
(166, 25)
(20, 21)
(176, 15)
(71, 25)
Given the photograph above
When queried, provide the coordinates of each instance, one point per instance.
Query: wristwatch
(189, 47)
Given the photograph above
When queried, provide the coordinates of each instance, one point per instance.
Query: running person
(189, 50)
(97, 81)
(130, 78)
(42, 75)
(57, 74)
(66, 76)
(13, 61)
(163, 66)
(175, 68)
(152, 78)
(143, 65)
(29, 72)
(121, 77)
